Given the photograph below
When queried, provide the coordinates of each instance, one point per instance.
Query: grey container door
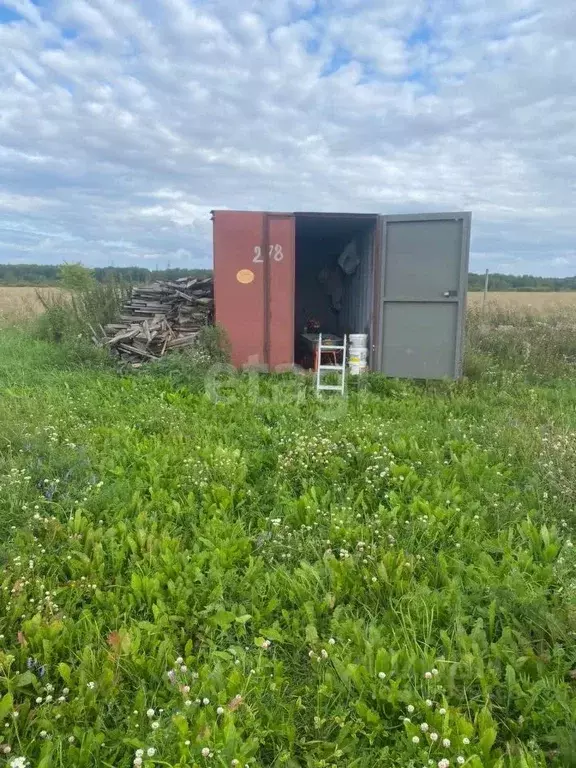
(423, 294)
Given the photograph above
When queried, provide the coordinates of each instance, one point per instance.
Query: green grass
(283, 581)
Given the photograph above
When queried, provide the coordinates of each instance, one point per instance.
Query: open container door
(422, 302)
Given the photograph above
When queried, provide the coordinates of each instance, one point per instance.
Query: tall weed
(190, 365)
(80, 314)
(530, 344)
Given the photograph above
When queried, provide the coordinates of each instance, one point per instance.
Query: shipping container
(400, 279)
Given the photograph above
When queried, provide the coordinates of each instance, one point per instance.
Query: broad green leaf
(311, 634)
(65, 673)
(510, 676)
(367, 714)
(26, 678)
(222, 619)
(6, 705)
(487, 740)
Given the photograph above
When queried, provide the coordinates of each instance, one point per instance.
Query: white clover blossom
(442, 711)
(150, 712)
(465, 740)
(382, 675)
(428, 675)
(205, 752)
(410, 708)
(446, 742)
(434, 736)
(424, 727)
(444, 763)
(91, 686)
(150, 751)
(460, 760)
(415, 740)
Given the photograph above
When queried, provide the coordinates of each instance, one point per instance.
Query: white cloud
(13, 203)
(135, 118)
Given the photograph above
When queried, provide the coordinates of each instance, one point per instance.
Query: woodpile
(161, 317)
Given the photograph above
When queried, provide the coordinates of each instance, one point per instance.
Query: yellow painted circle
(245, 276)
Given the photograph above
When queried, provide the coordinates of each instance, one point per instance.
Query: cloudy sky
(124, 122)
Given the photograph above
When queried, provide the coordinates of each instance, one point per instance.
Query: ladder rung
(339, 369)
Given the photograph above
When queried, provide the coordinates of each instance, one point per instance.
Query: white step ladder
(340, 369)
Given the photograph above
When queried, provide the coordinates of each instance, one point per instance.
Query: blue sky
(124, 122)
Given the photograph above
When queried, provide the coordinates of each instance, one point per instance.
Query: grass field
(203, 570)
(303, 571)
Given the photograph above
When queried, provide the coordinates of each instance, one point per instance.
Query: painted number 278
(274, 252)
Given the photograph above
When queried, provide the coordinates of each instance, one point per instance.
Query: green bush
(80, 314)
(213, 342)
(190, 366)
(76, 277)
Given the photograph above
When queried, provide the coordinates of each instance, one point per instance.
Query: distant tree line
(499, 282)
(50, 274)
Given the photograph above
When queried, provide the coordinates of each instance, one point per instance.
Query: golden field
(20, 303)
(545, 302)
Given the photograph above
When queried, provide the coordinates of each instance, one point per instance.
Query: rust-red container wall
(254, 256)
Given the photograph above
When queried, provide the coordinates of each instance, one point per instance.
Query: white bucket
(358, 360)
(356, 368)
(358, 339)
(358, 355)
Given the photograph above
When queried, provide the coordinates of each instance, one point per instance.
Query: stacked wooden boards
(160, 317)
